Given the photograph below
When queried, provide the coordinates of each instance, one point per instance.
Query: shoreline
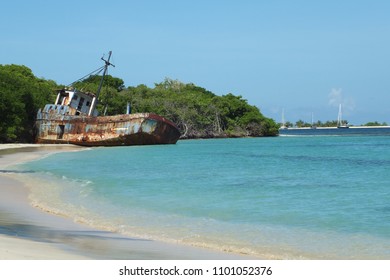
(26, 232)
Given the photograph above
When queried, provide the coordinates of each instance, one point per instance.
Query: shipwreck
(74, 119)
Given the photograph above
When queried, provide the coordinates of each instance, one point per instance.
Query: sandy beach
(29, 233)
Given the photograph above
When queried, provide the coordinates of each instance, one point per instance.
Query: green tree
(375, 124)
(21, 95)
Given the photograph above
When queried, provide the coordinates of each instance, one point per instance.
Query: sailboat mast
(107, 63)
(339, 117)
(283, 120)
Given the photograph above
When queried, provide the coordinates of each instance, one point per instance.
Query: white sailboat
(312, 122)
(283, 121)
(340, 123)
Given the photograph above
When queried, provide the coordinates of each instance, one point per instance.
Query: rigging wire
(93, 73)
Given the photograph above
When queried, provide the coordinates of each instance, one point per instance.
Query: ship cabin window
(60, 100)
(88, 103)
(80, 106)
(75, 97)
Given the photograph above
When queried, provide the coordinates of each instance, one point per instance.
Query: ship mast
(107, 63)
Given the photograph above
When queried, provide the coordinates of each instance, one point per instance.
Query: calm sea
(282, 197)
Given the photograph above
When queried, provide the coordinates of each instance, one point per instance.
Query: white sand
(28, 233)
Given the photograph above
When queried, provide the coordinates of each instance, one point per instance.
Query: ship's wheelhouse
(82, 102)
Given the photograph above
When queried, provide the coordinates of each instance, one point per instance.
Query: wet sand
(29, 233)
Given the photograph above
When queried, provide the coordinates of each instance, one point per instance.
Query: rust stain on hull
(128, 129)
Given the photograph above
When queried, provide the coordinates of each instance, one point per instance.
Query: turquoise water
(283, 197)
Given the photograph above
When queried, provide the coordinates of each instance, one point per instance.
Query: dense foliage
(21, 95)
(197, 112)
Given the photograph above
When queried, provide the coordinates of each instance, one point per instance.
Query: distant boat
(283, 121)
(335, 131)
(313, 126)
(73, 119)
(342, 129)
(340, 123)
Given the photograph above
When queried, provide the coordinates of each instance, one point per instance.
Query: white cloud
(336, 98)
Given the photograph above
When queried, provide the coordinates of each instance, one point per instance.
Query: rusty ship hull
(119, 130)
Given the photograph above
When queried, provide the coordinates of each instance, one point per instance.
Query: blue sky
(301, 56)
